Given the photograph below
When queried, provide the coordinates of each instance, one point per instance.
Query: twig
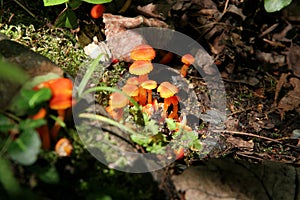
(248, 156)
(225, 7)
(29, 12)
(268, 30)
(254, 135)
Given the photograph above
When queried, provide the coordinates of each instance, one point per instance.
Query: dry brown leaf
(240, 143)
(291, 100)
(294, 59)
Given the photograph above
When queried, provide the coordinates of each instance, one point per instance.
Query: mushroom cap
(188, 59)
(60, 102)
(166, 89)
(61, 89)
(63, 147)
(130, 90)
(149, 84)
(118, 100)
(143, 52)
(141, 67)
(132, 81)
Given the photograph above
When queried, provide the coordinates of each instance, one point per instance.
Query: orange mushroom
(131, 90)
(61, 89)
(43, 130)
(149, 86)
(132, 81)
(97, 11)
(167, 91)
(187, 59)
(118, 100)
(141, 68)
(143, 52)
(116, 104)
(174, 101)
(63, 147)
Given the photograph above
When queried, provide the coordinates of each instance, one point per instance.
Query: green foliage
(67, 18)
(11, 72)
(48, 174)
(24, 150)
(54, 2)
(7, 179)
(59, 45)
(57, 2)
(30, 100)
(275, 5)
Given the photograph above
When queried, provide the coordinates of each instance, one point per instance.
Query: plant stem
(107, 120)
(28, 11)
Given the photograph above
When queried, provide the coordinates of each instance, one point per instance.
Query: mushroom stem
(143, 78)
(167, 103)
(116, 114)
(142, 96)
(149, 94)
(184, 69)
(45, 136)
(174, 114)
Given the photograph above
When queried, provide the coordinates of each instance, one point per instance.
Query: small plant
(67, 18)
(32, 124)
(276, 5)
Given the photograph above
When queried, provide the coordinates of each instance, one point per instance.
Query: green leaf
(24, 150)
(276, 5)
(74, 3)
(140, 139)
(54, 2)
(30, 99)
(97, 1)
(12, 73)
(39, 96)
(67, 18)
(7, 179)
(31, 124)
(5, 124)
(171, 124)
(39, 79)
(58, 120)
(49, 175)
(71, 19)
(197, 145)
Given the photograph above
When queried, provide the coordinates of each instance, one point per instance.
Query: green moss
(58, 45)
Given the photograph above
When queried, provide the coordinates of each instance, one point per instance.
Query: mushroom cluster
(140, 88)
(61, 100)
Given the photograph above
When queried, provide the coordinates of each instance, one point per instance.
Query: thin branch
(254, 135)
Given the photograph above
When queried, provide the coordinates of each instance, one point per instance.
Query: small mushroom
(143, 52)
(149, 86)
(141, 68)
(63, 147)
(131, 90)
(174, 101)
(116, 104)
(43, 130)
(132, 81)
(61, 89)
(167, 91)
(118, 100)
(187, 59)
